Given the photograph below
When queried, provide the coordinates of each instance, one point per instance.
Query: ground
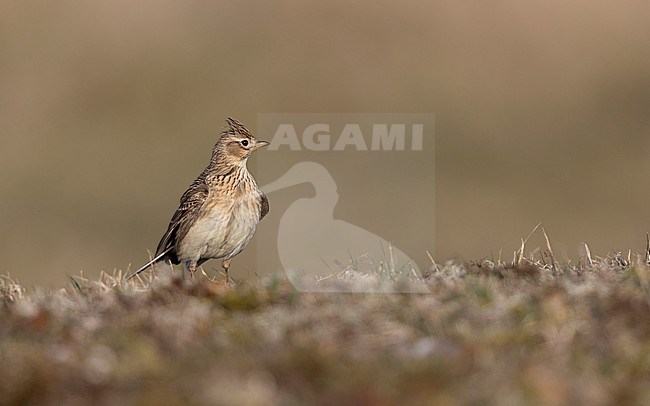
(526, 332)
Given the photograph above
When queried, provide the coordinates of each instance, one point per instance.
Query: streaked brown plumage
(219, 212)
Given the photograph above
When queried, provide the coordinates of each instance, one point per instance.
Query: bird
(219, 212)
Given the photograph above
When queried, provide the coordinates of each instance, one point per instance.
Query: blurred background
(108, 111)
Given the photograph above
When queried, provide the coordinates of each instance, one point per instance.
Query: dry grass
(529, 331)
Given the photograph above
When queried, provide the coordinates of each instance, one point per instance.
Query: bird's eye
(244, 143)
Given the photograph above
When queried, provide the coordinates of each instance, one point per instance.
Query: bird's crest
(235, 127)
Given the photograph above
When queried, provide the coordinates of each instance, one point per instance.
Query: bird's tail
(148, 264)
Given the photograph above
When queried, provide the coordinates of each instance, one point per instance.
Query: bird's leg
(191, 266)
(226, 265)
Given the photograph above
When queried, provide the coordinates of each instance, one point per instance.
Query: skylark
(219, 212)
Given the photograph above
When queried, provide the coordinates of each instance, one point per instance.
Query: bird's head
(236, 143)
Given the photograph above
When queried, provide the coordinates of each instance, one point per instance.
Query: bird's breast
(223, 228)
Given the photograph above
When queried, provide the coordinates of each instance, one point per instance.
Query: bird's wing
(184, 217)
(264, 204)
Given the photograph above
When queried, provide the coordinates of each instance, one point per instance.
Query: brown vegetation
(489, 332)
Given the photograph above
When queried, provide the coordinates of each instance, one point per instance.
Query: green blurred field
(488, 333)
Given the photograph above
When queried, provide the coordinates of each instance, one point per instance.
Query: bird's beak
(260, 144)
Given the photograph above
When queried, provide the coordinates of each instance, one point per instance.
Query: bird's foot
(230, 281)
(191, 266)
